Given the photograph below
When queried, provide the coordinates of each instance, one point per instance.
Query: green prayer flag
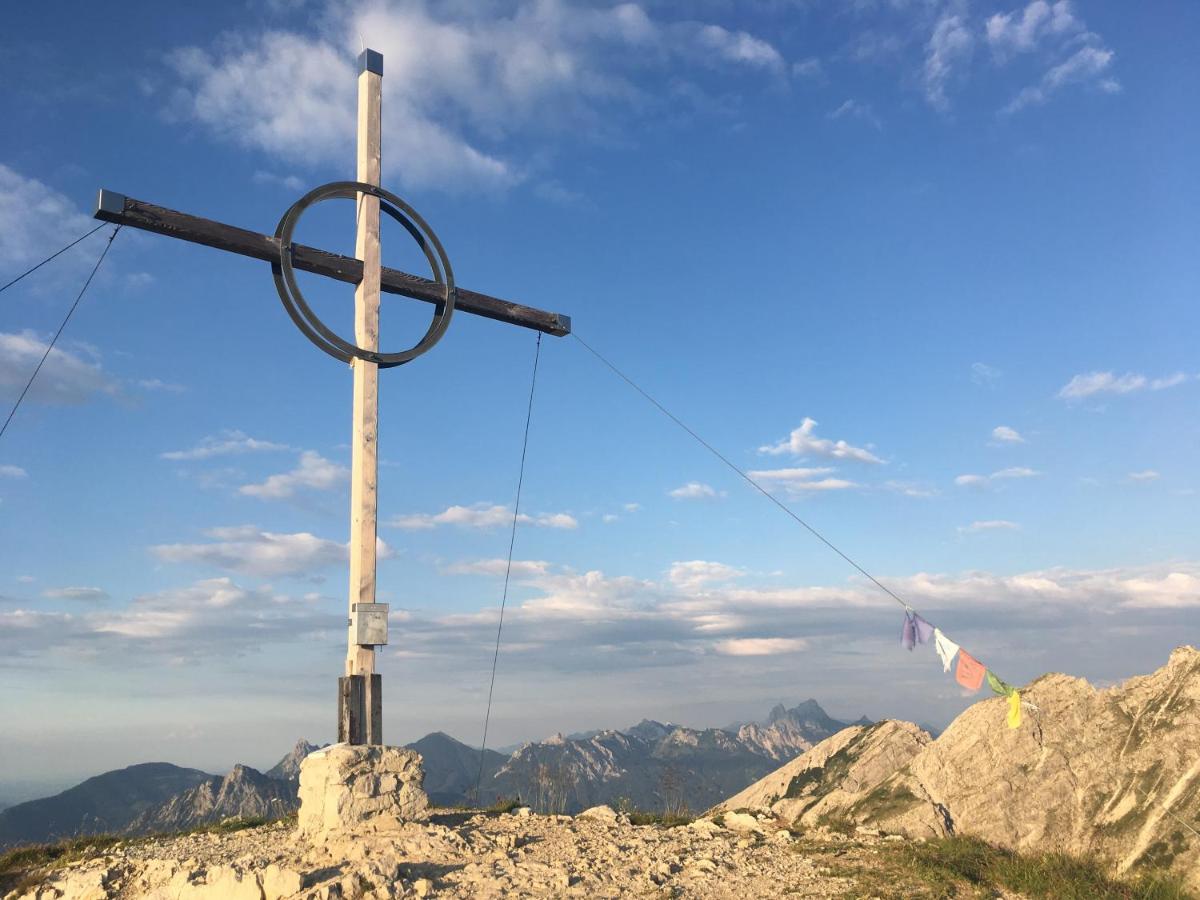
(998, 686)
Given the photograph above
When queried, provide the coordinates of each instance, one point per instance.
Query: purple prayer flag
(908, 634)
(924, 629)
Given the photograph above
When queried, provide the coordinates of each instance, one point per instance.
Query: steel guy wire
(758, 487)
(54, 340)
(512, 539)
(51, 256)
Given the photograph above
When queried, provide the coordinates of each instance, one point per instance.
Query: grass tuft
(970, 867)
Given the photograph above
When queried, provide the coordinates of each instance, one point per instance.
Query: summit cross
(360, 688)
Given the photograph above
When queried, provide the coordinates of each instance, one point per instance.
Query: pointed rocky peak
(778, 711)
(288, 768)
(650, 730)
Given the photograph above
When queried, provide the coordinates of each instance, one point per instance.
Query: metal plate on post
(370, 621)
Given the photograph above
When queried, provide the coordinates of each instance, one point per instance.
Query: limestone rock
(346, 786)
(1111, 773)
(599, 813)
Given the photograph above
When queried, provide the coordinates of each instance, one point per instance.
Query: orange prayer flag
(970, 671)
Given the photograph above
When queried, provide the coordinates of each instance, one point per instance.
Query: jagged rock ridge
(1109, 773)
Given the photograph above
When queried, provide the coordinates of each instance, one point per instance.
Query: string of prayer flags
(946, 648)
(970, 671)
(915, 630)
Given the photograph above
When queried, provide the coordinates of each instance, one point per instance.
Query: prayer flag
(924, 629)
(1014, 709)
(969, 672)
(998, 686)
(946, 648)
(908, 632)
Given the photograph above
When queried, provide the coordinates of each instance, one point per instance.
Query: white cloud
(521, 568)
(989, 525)
(632, 507)
(1144, 475)
(1088, 63)
(157, 384)
(209, 618)
(225, 444)
(481, 515)
(1006, 435)
(91, 594)
(858, 109)
(696, 574)
(459, 81)
(739, 47)
(803, 442)
(799, 481)
(1001, 475)
(809, 68)
(35, 219)
(9, 471)
(695, 490)
(949, 45)
(247, 550)
(313, 472)
(982, 373)
(1022, 31)
(1092, 383)
(760, 646)
(70, 376)
(910, 489)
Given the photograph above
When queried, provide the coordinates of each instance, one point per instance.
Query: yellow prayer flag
(1014, 709)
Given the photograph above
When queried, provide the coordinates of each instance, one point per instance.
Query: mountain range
(651, 765)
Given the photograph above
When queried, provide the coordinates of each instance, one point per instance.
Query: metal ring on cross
(310, 324)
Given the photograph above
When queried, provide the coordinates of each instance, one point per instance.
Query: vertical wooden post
(360, 660)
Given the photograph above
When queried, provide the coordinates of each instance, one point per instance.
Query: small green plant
(504, 806)
(666, 820)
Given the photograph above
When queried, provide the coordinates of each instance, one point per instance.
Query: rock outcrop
(1112, 773)
(364, 788)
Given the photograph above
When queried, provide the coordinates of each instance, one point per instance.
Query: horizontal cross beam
(122, 210)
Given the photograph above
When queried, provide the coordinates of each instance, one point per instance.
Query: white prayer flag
(946, 648)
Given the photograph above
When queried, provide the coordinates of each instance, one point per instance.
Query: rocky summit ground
(484, 855)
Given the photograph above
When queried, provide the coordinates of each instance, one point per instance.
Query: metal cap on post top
(370, 61)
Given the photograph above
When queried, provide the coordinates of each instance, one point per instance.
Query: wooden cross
(360, 713)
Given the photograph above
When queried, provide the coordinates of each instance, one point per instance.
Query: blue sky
(928, 266)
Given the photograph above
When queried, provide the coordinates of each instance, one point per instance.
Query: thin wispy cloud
(989, 525)
(247, 550)
(859, 110)
(800, 481)
(11, 471)
(1092, 383)
(86, 594)
(481, 515)
(227, 443)
(1013, 472)
(1144, 475)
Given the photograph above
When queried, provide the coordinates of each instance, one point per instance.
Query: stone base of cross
(360, 688)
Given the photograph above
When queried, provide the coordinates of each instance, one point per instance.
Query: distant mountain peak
(288, 768)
